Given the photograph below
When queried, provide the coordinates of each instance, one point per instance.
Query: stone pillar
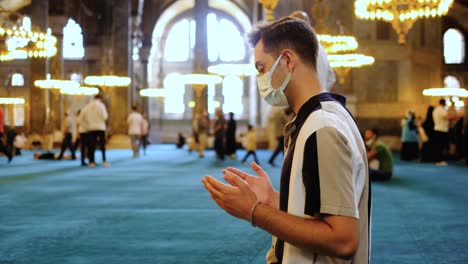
(58, 102)
(201, 52)
(121, 64)
(38, 11)
(144, 56)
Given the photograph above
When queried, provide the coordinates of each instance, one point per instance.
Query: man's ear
(290, 58)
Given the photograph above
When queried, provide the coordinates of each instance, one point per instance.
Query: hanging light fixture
(153, 92)
(401, 13)
(18, 41)
(240, 70)
(82, 90)
(341, 48)
(56, 84)
(270, 6)
(446, 92)
(108, 81)
(11, 100)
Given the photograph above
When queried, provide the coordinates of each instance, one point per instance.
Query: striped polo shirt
(324, 172)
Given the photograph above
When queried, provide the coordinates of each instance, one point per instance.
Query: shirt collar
(313, 104)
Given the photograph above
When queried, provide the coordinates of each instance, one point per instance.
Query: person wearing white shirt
(68, 127)
(134, 123)
(441, 132)
(96, 117)
(325, 72)
(83, 138)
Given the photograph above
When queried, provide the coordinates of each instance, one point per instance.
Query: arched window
(451, 82)
(174, 100)
(454, 46)
(180, 41)
(73, 41)
(225, 41)
(225, 44)
(233, 88)
(17, 79)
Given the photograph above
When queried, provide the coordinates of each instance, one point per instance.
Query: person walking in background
(279, 122)
(379, 157)
(144, 133)
(325, 72)
(251, 144)
(231, 143)
(409, 138)
(322, 212)
(134, 123)
(427, 150)
(68, 126)
(441, 133)
(83, 137)
(219, 134)
(96, 116)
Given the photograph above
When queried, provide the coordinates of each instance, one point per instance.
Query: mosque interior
(175, 58)
(155, 43)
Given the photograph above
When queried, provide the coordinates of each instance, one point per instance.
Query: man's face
(264, 62)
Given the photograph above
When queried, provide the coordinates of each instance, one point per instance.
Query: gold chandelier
(337, 43)
(17, 40)
(401, 13)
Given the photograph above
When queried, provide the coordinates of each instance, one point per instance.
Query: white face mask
(275, 97)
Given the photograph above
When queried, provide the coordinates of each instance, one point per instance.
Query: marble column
(144, 56)
(39, 110)
(121, 64)
(201, 53)
(58, 102)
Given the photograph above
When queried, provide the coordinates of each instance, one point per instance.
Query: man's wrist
(272, 199)
(252, 210)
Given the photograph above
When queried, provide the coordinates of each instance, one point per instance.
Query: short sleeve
(328, 174)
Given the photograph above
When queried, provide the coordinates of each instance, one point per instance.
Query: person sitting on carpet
(379, 157)
(50, 156)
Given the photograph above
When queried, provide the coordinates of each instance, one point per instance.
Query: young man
(96, 117)
(441, 132)
(321, 214)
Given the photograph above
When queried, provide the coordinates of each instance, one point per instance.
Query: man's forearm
(314, 234)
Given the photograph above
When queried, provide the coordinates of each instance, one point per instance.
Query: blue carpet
(154, 210)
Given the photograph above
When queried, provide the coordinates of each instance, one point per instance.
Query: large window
(454, 47)
(17, 79)
(233, 88)
(174, 101)
(225, 43)
(73, 41)
(17, 111)
(451, 82)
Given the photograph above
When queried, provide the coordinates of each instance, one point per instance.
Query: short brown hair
(287, 32)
